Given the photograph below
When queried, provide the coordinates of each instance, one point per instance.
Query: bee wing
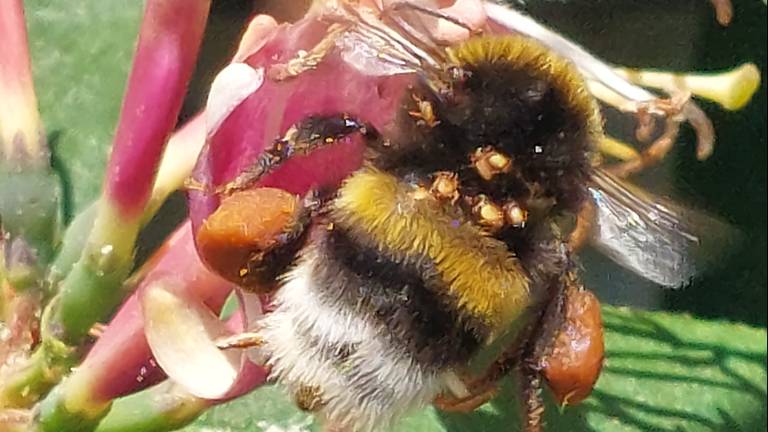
(654, 238)
(376, 48)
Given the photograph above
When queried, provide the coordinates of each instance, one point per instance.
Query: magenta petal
(267, 113)
(169, 40)
(120, 362)
(21, 135)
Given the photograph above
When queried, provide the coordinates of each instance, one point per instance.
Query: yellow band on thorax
(480, 273)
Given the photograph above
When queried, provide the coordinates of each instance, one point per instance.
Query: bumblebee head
(509, 100)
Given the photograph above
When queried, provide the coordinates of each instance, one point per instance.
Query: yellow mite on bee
(515, 215)
(425, 112)
(445, 186)
(488, 213)
(489, 162)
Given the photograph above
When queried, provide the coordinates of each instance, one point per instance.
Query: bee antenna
(432, 12)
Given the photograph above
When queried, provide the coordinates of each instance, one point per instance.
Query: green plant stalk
(44, 371)
(33, 379)
(30, 210)
(30, 195)
(86, 295)
(29, 190)
(89, 292)
(72, 244)
(178, 160)
(164, 407)
(167, 49)
(57, 417)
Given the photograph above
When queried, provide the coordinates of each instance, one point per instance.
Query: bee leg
(525, 356)
(584, 223)
(308, 60)
(435, 13)
(533, 405)
(301, 139)
(539, 346)
(677, 109)
(250, 339)
(479, 395)
(723, 11)
(308, 398)
(651, 155)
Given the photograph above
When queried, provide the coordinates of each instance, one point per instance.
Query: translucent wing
(654, 238)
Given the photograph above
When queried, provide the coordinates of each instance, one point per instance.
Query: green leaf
(663, 372)
(81, 52)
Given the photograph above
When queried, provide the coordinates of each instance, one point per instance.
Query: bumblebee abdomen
(391, 296)
(338, 359)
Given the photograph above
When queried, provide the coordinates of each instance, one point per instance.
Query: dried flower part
(576, 359)
(249, 224)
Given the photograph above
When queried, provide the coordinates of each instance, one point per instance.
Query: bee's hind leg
(525, 357)
(530, 367)
(582, 231)
(478, 394)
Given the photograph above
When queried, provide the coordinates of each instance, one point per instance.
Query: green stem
(33, 378)
(29, 211)
(164, 407)
(72, 245)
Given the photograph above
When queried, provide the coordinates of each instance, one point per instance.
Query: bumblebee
(452, 238)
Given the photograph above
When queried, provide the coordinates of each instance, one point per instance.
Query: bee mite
(425, 113)
(488, 162)
(308, 398)
(488, 213)
(445, 186)
(420, 193)
(515, 215)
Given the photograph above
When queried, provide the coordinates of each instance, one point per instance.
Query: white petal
(589, 65)
(231, 86)
(182, 334)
